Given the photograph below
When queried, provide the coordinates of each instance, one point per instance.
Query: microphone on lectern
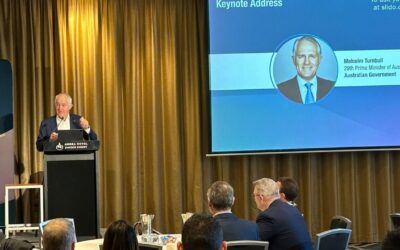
(62, 120)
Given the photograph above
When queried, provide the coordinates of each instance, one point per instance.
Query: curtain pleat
(138, 71)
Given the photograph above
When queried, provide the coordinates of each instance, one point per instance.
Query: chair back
(339, 221)
(247, 245)
(333, 239)
(395, 219)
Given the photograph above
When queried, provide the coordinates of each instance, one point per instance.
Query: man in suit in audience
(63, 120)
(220, 201)
(59, 234)
(279, 223)
(14, 244)
(201, 232)
(288, 190)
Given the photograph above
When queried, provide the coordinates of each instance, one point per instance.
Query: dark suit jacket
(291, 89)
(283, 226)
(237, 229)
(15, 244)
(49, 126)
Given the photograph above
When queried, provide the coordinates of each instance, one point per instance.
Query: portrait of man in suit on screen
(306, 86)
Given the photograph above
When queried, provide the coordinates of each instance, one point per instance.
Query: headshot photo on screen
(304, 69)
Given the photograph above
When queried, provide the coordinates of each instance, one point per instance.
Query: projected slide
(304, 75)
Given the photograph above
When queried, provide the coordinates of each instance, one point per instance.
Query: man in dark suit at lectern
(63, 120)
(220, 201)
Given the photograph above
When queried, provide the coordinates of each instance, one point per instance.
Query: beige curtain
(137, 70)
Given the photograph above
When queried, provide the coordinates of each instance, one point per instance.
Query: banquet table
(96, 243)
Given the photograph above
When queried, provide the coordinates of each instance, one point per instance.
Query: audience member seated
(279, 223)
(120, 235)
(14, 244)
(288, 190)
(201, 232)
(392, 240)
(59, 234)
(220, 201)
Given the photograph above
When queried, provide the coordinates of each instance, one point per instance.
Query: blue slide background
(256, 120)
(344, 24)
(264, 119)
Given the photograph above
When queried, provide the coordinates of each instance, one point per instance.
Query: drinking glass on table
(147, 230)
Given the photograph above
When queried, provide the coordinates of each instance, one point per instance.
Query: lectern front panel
(70, 190)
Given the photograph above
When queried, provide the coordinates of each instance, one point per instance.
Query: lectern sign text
(81, 145)
(72, 145)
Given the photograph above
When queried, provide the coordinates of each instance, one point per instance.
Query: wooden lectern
(71, 185)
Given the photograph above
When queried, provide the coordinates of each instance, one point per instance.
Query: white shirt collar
(63, 124)
(222, 212)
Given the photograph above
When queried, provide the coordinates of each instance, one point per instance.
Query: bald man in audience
(220, 201)
(59, 234)
(279, 223)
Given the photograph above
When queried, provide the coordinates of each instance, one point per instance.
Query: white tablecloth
(94, 244)
(89, 244)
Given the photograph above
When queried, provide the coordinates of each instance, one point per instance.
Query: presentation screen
(304, 75)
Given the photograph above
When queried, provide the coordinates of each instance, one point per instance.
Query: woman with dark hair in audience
(120, 236)
(392, 240)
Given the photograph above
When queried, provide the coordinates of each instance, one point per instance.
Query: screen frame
(212, 153)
